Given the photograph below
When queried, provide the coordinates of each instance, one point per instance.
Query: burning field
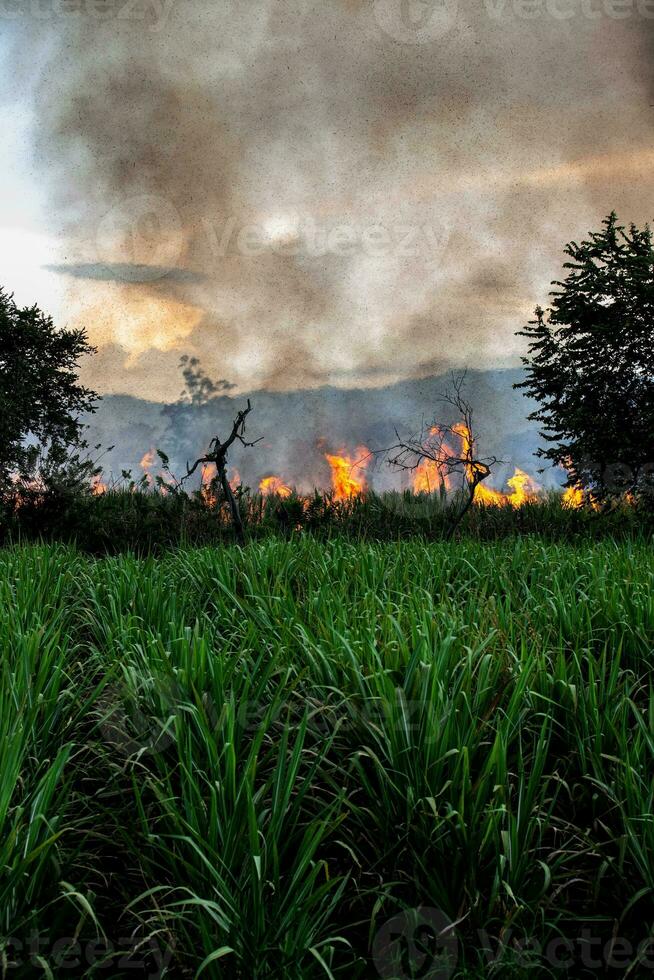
(352, 474)
(326, 566)
(425, 498)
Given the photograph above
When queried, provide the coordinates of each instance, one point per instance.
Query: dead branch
(451, 447)
(217, 456)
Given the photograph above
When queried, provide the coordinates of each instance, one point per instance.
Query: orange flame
(573, 498)
(524, 488)
(464, 434)
(483, 495)
(274, 486)
(147, 462)
(97, 486)
(489, 497)
(207, 477)
(429, 475)
(345, 483)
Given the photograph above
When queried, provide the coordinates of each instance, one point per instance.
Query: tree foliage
(199, 388)
(591, 363)
(41, 399)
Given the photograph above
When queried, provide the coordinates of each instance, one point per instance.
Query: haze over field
(299, 428)
(300, 194)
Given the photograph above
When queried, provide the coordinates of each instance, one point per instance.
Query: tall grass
(44, 698)
(250, 760)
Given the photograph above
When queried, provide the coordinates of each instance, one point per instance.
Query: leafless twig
(451, 447)
(217, 455)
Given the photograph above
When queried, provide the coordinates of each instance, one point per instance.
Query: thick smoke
(347, 192)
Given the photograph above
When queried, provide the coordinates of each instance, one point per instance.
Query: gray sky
(301, 193)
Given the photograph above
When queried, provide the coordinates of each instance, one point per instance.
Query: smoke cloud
(351, 192)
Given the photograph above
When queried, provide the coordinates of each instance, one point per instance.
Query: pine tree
(591, 364)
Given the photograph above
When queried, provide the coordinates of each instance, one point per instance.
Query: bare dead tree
(451, 447)
(217, 454)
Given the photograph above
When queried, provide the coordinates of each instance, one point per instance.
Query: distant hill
(300, 426)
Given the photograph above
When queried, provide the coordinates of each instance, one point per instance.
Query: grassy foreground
(255, 763)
